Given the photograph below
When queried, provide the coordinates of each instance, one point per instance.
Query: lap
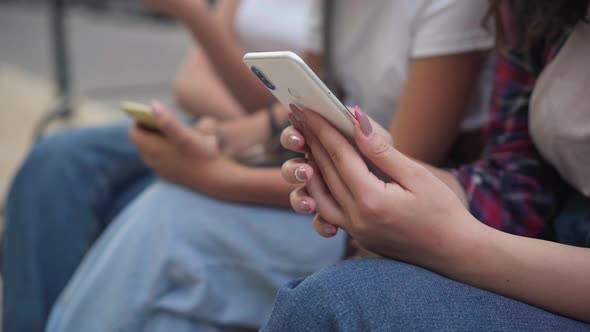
(250, 232)
(385, 295)
(201, 258)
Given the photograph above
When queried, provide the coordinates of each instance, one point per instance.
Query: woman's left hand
(415, 218)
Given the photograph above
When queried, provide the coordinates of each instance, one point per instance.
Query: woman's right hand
(416, 218)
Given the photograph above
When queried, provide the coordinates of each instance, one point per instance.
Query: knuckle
(381, 148)
(338, 155)
(368, 206)
(325, 168)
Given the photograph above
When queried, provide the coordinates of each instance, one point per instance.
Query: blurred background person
(74, 182)
(191, 259)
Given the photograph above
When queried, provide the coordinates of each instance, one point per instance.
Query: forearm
(241, 184)
(226, 55)
(541, 273)
(449, 82)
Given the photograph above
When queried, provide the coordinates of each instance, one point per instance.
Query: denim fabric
(385, 295)
(70, 186)
(175, 260)
(572, 225)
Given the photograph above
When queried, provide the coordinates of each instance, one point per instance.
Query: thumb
(207, 125)
(381, 153)
(168, 125)
(183, 136)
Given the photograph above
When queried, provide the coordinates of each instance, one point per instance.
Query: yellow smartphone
(140, 113)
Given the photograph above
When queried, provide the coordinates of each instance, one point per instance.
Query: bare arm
(233, 182)
(433, 103)
(545, 274)
(217, 38)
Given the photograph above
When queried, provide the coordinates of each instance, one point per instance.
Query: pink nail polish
(364, 121)
(306, 206)
(296, 123)
(294, 141)
(301, 174)
(330, 231)
(296, 111)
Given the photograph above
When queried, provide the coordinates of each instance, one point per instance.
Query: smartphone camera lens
(263, 78)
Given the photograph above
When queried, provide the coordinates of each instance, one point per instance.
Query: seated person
(75, 182)
(466, 275)
(189, 255)
(213, 258)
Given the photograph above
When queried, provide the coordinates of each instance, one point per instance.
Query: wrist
(466, 247)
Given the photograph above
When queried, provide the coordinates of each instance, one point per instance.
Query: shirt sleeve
(445, 27)
(512, 188)
(313, 40)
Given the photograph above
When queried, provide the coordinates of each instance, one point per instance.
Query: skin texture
(199, 87)
(228, 91)
(434, 102)
(221, 48)
(417, 219)
(192, 157)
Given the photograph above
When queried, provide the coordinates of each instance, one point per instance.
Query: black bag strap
(328, 57)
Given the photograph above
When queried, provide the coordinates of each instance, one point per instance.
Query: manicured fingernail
(301, 174)
(364, 121)
(296, 123)
(305, 206)
(297, 113)
(294, 141)
(330, 231)
(157, 108)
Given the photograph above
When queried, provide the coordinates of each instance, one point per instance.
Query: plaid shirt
(512, 188)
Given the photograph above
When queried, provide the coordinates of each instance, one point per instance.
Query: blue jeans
(66, 192)
(176, 260)
(386, 295)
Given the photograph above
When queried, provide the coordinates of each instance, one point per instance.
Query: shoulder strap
(329, 77)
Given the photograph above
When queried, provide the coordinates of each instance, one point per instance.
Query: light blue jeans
(386, 295)
(71, 185)
(178, 261)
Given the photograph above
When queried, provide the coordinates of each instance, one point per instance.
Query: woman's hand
(415, 218)
(178, 153)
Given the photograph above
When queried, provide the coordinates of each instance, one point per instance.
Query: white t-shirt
(375, 40)
(272, 25)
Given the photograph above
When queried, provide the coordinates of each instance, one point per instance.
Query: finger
(325, 204)
(329, 172)
(148, 143)
(383, 155)
(323, 227)
(291, 139)
(183, 136)
(169, 126)
(301, 202)
(346, 159)
(296, 171)
(207, 125)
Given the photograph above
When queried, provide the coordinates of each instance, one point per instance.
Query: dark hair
(531, 20)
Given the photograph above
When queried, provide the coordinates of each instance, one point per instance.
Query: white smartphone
(292, 82)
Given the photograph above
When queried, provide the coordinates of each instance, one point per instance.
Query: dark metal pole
(60, 47)
(63, 106)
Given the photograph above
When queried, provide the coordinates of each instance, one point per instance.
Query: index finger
(147, 142)
(347, 160)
